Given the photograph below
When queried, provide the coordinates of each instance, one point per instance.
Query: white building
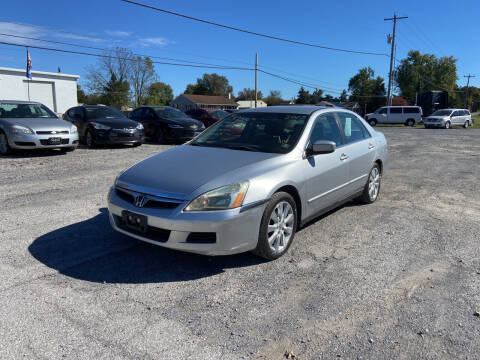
(249, 104)
(55, 90)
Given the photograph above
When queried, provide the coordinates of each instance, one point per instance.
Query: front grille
(202, 238)
(52, 132)
(24, 143)
(153, 233)
(150, 202)
(45, 142)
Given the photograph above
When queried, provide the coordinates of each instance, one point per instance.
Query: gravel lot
(396, 279)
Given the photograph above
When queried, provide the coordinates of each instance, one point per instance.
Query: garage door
(40, 91)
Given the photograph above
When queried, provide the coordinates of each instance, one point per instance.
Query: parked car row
(411, 115)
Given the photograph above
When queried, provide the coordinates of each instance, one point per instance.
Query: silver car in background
(446, 118)
(249, 181)
(31, 125)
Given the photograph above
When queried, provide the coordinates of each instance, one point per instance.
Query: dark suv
(99, 124)
(164, 123)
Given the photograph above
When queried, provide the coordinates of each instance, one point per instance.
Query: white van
(408, 115)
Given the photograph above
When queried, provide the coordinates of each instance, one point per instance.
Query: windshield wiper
(239, 147)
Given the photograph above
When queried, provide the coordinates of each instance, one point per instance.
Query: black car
(164, 123)
(99, 124)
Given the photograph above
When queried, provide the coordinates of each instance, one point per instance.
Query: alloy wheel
(280, 226)
(374, 183)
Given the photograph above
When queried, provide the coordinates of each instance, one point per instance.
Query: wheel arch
(379, 162)
(292, 190)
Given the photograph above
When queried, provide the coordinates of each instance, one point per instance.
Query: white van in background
(408, 115)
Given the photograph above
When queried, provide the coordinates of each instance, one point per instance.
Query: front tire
(278, 226)
(89, 140)
(372, 187)
(448, 125)
(372, 122)
(4, 147)
(466, 125)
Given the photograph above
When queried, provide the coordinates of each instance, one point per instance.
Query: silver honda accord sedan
(250, 181)
(31, 125)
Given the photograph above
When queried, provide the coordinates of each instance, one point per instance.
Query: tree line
(124, 79)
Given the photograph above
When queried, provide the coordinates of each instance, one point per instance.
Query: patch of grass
(477, 122)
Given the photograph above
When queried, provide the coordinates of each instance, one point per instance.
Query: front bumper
(434, 124)
(117, 137)
(235, 230)
(35, 141)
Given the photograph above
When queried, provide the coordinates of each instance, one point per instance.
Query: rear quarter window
(411, 110)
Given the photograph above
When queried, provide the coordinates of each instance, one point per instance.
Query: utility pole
(256, 70)
(390, 74)
(468, 84)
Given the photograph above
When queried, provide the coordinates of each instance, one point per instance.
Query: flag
(29, 66)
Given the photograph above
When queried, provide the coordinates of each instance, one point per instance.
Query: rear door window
(352, 128)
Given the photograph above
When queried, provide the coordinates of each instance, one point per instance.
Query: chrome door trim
(336, 188)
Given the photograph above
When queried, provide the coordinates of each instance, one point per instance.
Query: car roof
(17, 102)
(289, 109)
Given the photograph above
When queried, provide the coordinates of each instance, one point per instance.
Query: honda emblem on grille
(140, 200)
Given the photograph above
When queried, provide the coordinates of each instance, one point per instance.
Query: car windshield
(29, 111)
(442, 113)
(218, 113)
(170, 113)
(263, 132)
(103, 112)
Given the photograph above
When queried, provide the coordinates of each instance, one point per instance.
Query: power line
(253, 32)
(123, 58)
(102, 49)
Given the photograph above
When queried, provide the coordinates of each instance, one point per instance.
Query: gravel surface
(396, 279)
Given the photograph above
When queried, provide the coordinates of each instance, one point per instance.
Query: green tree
(274, 98)
(159, 93)
(116, 92)
(316, 96)
(303, 96)
(248, 94)
(83, 98)
(367, 89)
(210, 84)
(344, 96)
(419, 73)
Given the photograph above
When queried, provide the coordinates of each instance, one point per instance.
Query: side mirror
(322, 147)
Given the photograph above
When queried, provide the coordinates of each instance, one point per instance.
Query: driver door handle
(343, 157)
(370, 146)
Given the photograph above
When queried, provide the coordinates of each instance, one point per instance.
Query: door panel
(360, 149)
(395, 115)
(325, 174)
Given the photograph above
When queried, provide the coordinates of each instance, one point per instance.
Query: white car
(446, 118)
(407, 115)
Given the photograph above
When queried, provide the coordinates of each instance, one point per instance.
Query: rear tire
(5, 149)
(410, 122)
(278, 226)
(372, 122)
(372, 187)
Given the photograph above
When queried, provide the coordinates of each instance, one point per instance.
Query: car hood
(183, 169)
(117, 123)
(40, 124)
(184, 121)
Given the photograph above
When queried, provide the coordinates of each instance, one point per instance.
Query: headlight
(100, 126)
(18, 129)
(139, 126)
(226, 197)
(175, 126)
(73, 129)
